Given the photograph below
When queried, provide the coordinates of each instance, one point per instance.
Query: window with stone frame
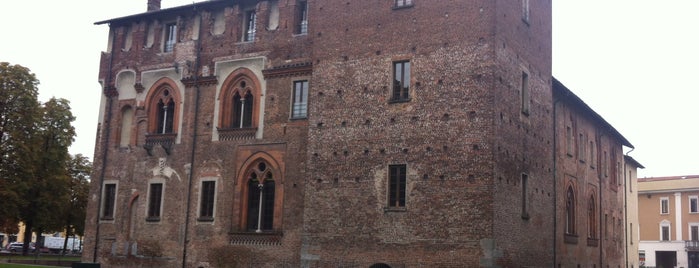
(694, 204)
(109, 194)
(694, 231)
(665, 231)
(155, 201)
(664, 205)
(397, 179)
(401, 81)
(239, 101)
(207, 200)
(163, 108)
(299, 107)
(261, 194)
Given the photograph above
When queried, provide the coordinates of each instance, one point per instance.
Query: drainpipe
(197, 63)
(105, 146)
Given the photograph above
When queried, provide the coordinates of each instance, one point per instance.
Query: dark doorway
(380, 265)
(665, 259)
(693, 259)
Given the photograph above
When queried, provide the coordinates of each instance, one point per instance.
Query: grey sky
(633, 61)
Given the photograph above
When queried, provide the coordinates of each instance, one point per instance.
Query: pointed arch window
(163, 110)
(239, 103)
(261, 198)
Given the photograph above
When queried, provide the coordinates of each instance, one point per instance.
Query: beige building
(631, 189)
(669, 221)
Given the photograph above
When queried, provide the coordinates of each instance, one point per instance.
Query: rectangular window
(249, 27)
(170, 37)
(155, 198)
(592, 154)
(396, 184)
(525, 211)
(108, 201)
(401, 81)
(694, 232)
(665, 233)
(525, 96)
(302, 18)
(694, 204)
(605, 165)
(299, 108)
(631, 233)
(582, 140)
(208, 195)
(569, 141)
(630, 182)
(664, 205)
(403, 3)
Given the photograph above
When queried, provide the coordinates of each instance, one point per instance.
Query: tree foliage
(34, 159)
(19, 109)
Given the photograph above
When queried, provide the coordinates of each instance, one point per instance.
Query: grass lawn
(14, 258)
(14, 265)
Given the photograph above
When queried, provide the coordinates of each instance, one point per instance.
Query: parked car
(17, 247)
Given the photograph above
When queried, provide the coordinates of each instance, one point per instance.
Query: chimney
(153, 5)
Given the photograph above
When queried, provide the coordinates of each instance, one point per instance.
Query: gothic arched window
(260, 199)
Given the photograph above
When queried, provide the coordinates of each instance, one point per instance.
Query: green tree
(47, 188)
(19, 110)
(78, 169)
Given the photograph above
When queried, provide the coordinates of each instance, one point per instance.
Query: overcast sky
(633, 61)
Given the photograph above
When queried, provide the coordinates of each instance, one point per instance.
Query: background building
(631, 209)
(669, 220)
(362, 133)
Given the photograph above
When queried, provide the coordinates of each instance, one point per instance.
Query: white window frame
(689, 232)
(665, 199)
(696, 204)
(299, 109)
(162, 198)
(114, 206)
(667, 224)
